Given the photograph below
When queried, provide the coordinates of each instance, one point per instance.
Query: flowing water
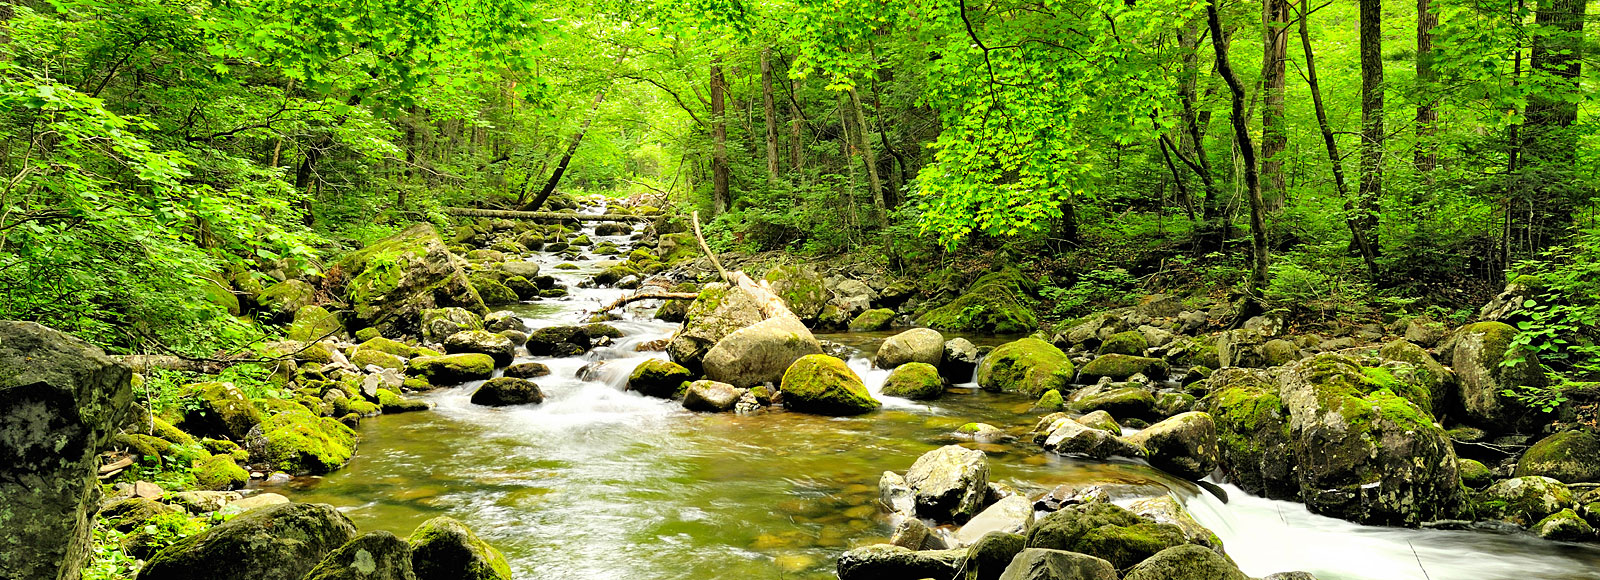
(598, 483)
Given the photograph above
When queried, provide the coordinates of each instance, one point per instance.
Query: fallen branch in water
(625, 300)
(543, 215)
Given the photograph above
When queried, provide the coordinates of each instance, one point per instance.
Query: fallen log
(625, 300)
(543, 215)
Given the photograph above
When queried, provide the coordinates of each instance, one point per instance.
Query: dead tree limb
(626, 300)
(542, 215)
(695, 217)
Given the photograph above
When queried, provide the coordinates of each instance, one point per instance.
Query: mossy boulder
(1568, 457)
(559, 341)
(390, 283)
(1100, 420)
(283, 299)
(801, 289)
(1184, 445)
(301, 443)
(392, 403)
(1524, 500)
(313, 323)
(218, 409)
(1051, 400)
(1046, 564)
(675, 310)
(1125, 402)
(659, 378)
(128, 513)
(219, 473)
(997, 303)
(364, 357)
(453, 369)
(443, 548)
(759, 353)
(1119, 367)
(988, 558)
(924, 345)
(871, 320)
(1438, 381)
(498, 347)
(1483, 361)
(1104, 531)
(1253, 432)
(915, 380)
(824, 385)
(718, 312)
(1131, 342)
(1564, 526)
(888, 561)
(440, 323)
(279, 541)
(1187, 562)
(1029, 366)
(373, 556)
(1474, 474)
(493, 291)
(506, 391)
(527, 370)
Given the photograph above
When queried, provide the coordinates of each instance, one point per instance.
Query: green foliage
(1563, 312)
(1304, 284)
(1094, 290)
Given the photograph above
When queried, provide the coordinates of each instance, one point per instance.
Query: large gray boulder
(498, 347)
(373, 556)
(1184, 445)
(759, 353)
(949, 483)
(279, 541)
(1187, 562)
(391, 282)
(64, 400)
(891, 562)
(718, 312)
(1483, 371)
(1047, 564)
(801, 288)
(923, 345)
(1068, 437)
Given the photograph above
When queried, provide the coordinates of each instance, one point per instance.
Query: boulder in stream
(453, 369)
(872, 320)
(825, 385)
(439, 323)
(559, 341)
(1104, 530)
(446, 549)
(915, 380)
(280, 541)
(1119, 367)
(801, 288)
(1029, 366)
(950, 483)
(759, 353)
(891, 562)
(506, 391)
(1479, 357)
(711, 396)
(390, 283)
(659, 378)
(301, 443)
(498, 347)
(718, 312)
(960, 360)
(1184, 445)
(1069, 437)
(1188, 562)
(1047, 564)
(922, 345)
(1568, 457)
(373, 556)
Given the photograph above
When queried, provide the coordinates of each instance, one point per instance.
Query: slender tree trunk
(566, 157)
(1241, 134)
(865, 147)
(1274, 133)
(1427, 155)
(1194, 132)
(1549, 145)
(892, 196)
(1358, 237)
(770, 110)
(721, 200)
(1372, 129)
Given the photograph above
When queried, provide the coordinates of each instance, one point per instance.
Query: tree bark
(1357, 236)
(721, 200)
(1247, 150)
(1274, 133)
(1194, 131)
(1427, 155)
(865, 147)
(1372, 127)
(1549, 145)
(566, 157)
(770, 111)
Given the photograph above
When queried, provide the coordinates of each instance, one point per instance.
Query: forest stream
(601, 483)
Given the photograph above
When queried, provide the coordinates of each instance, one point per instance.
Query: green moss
(299, 442)
(492, 291)
(1474, 474)
(453, 368)
(1568, 457)
(1029, 366)
(393, 403)
(1122, 366)
(219, 472)
(996, 303)
(362, 357)
(1050, 401)
(1131, 342)
(825, 385)
(445, 548)
(384, 345)
(914, 380)
(366, 334)
(165, 430)
(876, 319)
(658, 378)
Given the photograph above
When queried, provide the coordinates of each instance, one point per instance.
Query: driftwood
(695, 219)
(625, 300)
(543, 215)
(142, 363)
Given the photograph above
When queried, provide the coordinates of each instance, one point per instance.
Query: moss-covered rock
(801, 289)
(997, 303)
(284, 299)
(126, 514)
(559, 341)
(1050, 401)
(1105, 531)
(445, 549)
(1187, 562)
(1474, 474)
(1564, 526)
(824, 385)
(1568, 457)
(1119, 367)
(394, 403)
(301, 443)
(1125, 402)
(718, 312)
(493, 291)
(364, 357)
(440, 323)
(453, 369)
(1029, 366)
(390, 283)
(498, 347)
(876, 319)
(373, 556)
(915, 380)
(1131, 342)
(1253, 432)
(659, 378)
(1439, 382)
(505, 391)
(279, 541)
(888, 561)
(313, 323)
(219, 473)
(988, 558)
(218, 409)
(1100, 420)
(1524, 500)
(711, 396)
(1184, 445)
(367, 334)
(1486, 365)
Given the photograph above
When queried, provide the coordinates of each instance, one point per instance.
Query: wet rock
(1568, 457)
(1184, 445)
(1131, 343)
(301, 443)
(718, 312)
(896, 494)
(1525, 500)
(915, 380)
(960, 360)
(219, 409)
(711, 396)
(923, 345)
(1051, 400)
(1188, 562)
(1439, 381)
(521, 268)
(1474, 474)
(890, 562)
(373, 556)
(1047, 564)
(949, 483)
(1279, 351)
(1119, 367)
(1100, 420)
(659, 378)
(560, 341)
(1169, 404)
(988, 558)
(872, 320)
(1241, 348)
(1068, 437)
(1029, 366)
(439, 323)
(500, 348)
(391, 282)
(281, 541)
(1104, 531)
(506, 391)
(452, 369)
(910, 534)
(527, 370)
(1011, 515)
(759, 353)
(824, 385)
(1253, 432)
(126, 514)
(1479, 355)
(500, 320)
(1125, 402)
(1564, 526)
(1166, 510)
(981, 432)
(200, 502)
(445, 549)
(218, 473)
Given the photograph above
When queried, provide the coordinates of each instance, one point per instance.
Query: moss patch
(1029, 366)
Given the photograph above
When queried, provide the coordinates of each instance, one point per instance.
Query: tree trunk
(865, 147)
(1241, 134)
(720, 198)
(566, 158)
(1357, 236)
(1372, 131)
(1427, 155)
(770, 111)
(1549, 145)
(1274, 133)
(1194, 132)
